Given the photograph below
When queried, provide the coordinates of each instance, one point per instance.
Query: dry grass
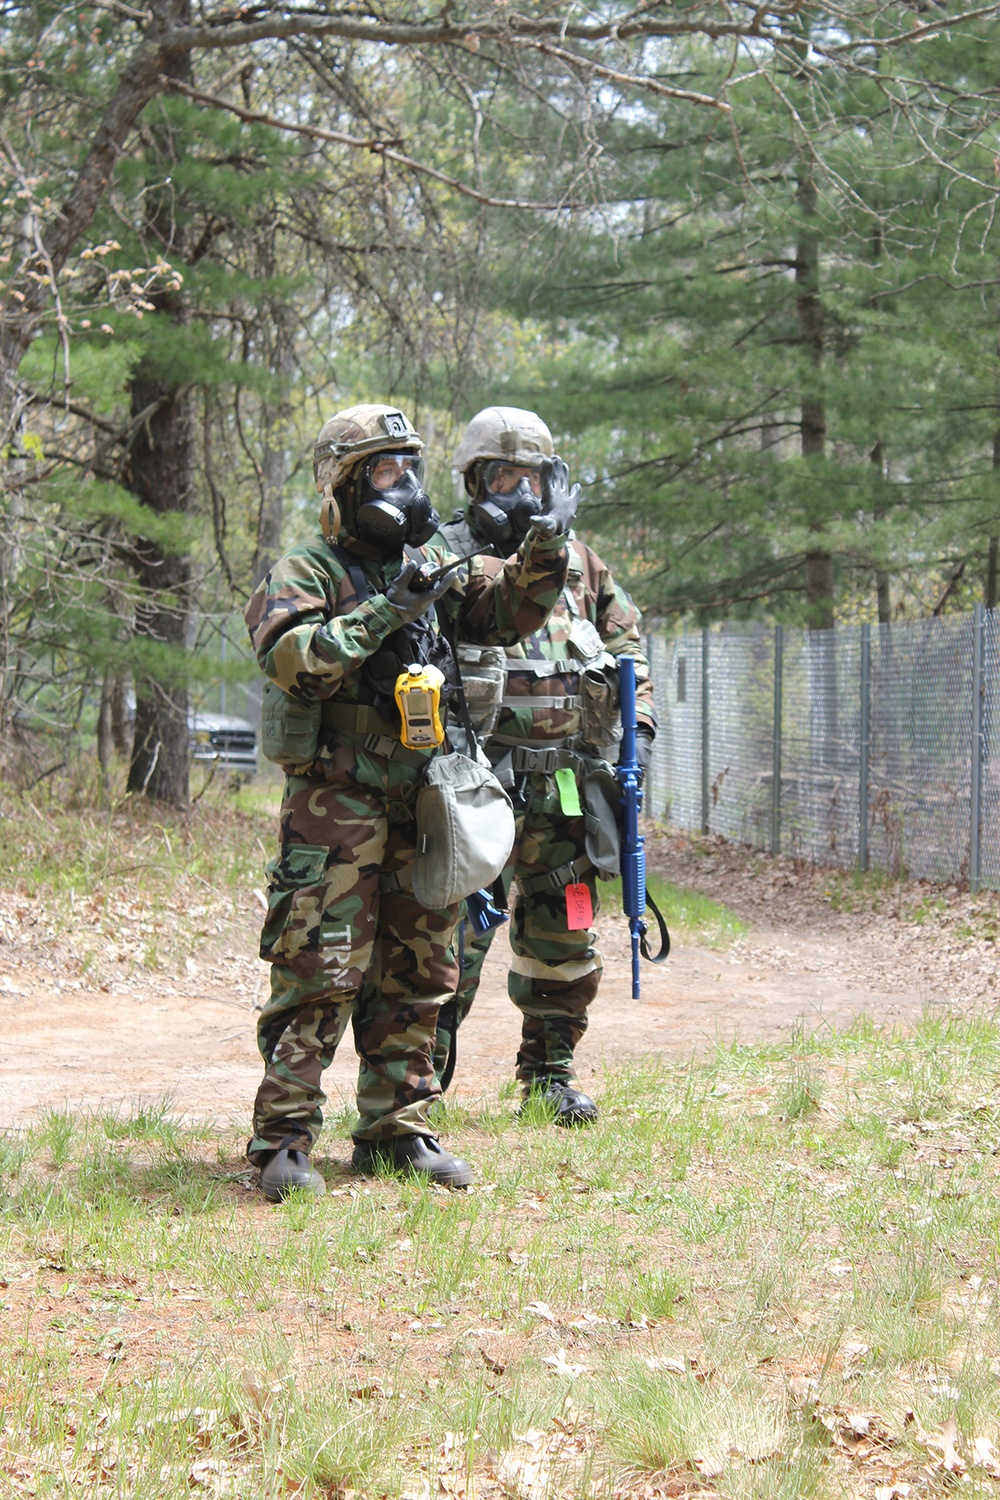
(715, 1291)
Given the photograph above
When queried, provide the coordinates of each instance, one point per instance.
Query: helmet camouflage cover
(504, 432)
(352, 434)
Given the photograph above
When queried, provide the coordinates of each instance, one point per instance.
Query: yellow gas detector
(418, 698)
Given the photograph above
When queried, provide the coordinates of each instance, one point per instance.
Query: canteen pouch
(289, 730)
(600, 725)
(483, 678)
(602, 808)
(465, 830)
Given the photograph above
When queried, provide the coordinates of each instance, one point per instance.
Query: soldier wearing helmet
(549, 735)
(333, 625)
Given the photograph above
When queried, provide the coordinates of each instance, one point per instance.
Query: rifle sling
(664, 952)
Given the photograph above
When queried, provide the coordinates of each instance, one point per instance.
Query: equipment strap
(512, 700)
(554, 880)
(563, 743)
(365, 725)
(351, 565)
(543, 762)
(533, 666)
(664, 952)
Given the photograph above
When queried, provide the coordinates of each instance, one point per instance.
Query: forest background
(743, 259)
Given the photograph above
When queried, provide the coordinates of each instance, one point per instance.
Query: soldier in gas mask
(553, 718)
(333, 625)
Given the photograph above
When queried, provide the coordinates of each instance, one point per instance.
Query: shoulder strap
(447, 632)
(351, 565)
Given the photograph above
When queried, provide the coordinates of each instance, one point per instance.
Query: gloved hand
(559, 502)
(643, 749)
(414, 602)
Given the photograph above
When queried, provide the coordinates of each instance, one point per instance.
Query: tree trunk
(105, 729)
(882, 595)
(161, 467)
(809, 310)
(274, 434)
(993, 561)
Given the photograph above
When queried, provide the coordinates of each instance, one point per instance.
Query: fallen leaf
(562, 1367)
(541, 1310)
(212, 1474)
(525, 1478)
(947, 1441)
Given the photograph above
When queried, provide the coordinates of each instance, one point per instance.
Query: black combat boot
(420, 1154)
(283, 1170)
(571, 1106)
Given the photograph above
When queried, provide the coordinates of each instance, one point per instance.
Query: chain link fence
(864, 746)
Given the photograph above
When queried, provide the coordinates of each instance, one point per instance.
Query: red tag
(579, 907)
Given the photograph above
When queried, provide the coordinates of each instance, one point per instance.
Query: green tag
(569, 797)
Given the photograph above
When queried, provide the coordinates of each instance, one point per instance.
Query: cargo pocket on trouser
(296, 894)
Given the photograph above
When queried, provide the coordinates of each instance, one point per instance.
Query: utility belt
(364, 725)
(291, 731)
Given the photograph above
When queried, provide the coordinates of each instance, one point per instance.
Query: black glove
(413, 602)
(559, 502)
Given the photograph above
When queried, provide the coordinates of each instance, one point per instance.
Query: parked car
(230, 743)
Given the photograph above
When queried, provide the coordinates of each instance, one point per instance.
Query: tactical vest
(291, 730)
(592, 687)
(416, 641)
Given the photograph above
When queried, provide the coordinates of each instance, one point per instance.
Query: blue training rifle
(629, 773)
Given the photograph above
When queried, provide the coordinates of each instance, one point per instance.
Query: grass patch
(131, 886)
(685, 911)
(770, 1274)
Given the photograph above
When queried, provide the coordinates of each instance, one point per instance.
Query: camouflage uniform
(338, 899)
(554, 972)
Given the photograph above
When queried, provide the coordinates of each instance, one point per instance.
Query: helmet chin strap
(329, 515)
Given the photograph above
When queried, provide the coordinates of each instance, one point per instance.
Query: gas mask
(506, 498)
(392, 508)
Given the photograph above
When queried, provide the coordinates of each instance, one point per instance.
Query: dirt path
(191, 1036)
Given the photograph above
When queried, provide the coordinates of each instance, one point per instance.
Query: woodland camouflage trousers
(554, 972)
(330, 924)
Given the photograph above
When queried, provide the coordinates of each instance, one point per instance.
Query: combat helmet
(501, 456)
(347, 438)
(503, 432)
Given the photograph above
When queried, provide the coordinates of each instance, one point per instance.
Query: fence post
(976, 748)
(864, 742)
(779, 657)
(704, 732)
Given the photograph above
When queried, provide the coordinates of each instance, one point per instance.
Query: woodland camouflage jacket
(590, 593)
(311, 632)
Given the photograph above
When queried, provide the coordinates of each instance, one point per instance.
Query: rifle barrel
(633, 843)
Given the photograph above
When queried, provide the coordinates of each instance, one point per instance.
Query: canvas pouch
(465, 830)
